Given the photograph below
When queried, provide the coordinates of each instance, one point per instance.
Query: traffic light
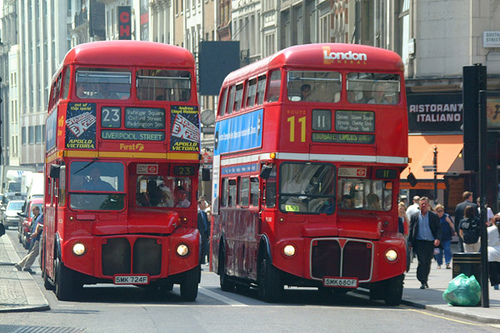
(474, 80)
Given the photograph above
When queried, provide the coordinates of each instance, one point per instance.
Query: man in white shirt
(415, 208)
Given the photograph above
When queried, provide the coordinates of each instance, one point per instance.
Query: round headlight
(391, 255)
(289, 250)
(182, 250)
(79, 249)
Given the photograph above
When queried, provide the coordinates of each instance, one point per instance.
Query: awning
(421, 153)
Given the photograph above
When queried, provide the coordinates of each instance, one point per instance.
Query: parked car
(10, 217)
(25, 219)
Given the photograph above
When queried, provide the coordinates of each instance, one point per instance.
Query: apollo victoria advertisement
(185, 128)
(81, 126)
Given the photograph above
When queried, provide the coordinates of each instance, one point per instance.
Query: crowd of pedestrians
(431, 231)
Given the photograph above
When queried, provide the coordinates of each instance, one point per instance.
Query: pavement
(20, 292)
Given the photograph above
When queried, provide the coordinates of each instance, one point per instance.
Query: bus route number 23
(300, 124)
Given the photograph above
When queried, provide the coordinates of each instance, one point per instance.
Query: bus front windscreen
(97, 185)
(307, 188)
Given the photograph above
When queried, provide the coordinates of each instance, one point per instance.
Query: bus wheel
(393, 292)
(189, 286)
(225, 283)
(65, 290)
(270, 286)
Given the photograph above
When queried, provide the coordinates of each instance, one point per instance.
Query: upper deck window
(373, 88)
(274, 88)
(238, 97)
(314, 86)
(163, 85)
(222, 102)
(101, 83)
(252, 92)
(261, 89)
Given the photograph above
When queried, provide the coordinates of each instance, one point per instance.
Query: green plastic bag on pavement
(463, 291)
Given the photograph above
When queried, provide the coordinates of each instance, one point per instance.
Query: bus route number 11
(301, 124)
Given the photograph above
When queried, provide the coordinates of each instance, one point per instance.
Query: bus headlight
(79, 249)
(289, 250)
(391, 255)
(182, 250)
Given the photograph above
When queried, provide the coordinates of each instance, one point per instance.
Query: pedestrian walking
(494, 252)
(459, 214)
(425, 235)
(36, 232)
(448, 231)
(414, 208)
(470, 230)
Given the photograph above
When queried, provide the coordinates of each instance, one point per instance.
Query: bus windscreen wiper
(86, 166)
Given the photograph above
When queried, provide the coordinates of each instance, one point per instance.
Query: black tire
(225, 283)
(64, 282)
(270, 286)
(393, 290)
(189, 285)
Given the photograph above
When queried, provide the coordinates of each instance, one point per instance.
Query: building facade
(435, 39)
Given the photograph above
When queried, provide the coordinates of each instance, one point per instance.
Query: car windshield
(18, 205)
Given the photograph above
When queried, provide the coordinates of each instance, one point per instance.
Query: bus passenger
(305, 92)
(105, 91)
(378, 95)
(347, 202)
(181, 197)
(96, 183)
(81, 90)
(373, 202)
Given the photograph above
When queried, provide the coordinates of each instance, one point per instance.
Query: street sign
(429, 168)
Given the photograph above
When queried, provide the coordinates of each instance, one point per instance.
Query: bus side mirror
(266, 171)
(205, 174)
(54, 171)
(412, 180)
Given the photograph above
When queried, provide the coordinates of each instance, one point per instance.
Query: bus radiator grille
(328, 258)
(117, 257)
(147, 256)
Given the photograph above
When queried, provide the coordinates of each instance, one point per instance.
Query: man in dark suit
(459, 213)
(203, 229)
(425, 234)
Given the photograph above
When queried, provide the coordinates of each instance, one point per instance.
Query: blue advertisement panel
(239, 133)
(81, 126)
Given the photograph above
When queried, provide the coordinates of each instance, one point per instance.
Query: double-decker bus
(122, 158)
(309, 146)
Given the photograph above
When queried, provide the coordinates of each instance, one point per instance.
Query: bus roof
(129, 53)
(324, 56)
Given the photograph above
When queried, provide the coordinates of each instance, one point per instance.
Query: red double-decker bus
(122, 159)
(309, 146)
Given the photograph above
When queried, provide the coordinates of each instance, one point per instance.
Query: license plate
(340, 282)
(131, 279)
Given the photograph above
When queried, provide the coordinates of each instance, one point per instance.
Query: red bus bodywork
(273, 242)
(109, 235)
